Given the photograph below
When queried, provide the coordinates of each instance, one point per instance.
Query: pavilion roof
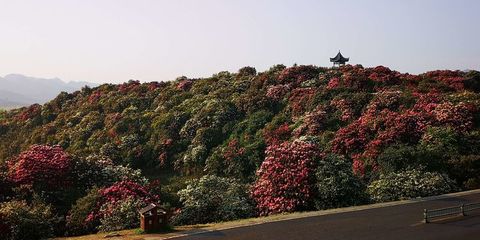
(339, 58)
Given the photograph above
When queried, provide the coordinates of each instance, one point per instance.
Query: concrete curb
(292, 216)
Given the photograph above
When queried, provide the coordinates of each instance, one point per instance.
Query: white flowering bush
(97, 170)
(337, 185)
(409, 184)
(213, 199)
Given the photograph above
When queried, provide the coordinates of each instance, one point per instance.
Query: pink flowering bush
(29, 113)
(277, 92)
(313, 123)
(298, 74)
(453, 79)
(97, 206)
(285, 180)
(185, 84)
(42, 166)
(299, 99)
(344, 107)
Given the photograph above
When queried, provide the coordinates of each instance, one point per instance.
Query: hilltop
(283, 140)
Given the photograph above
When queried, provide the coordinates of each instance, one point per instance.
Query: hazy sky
(114, 40)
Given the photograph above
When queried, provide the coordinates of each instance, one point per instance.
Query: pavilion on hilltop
(339, 60)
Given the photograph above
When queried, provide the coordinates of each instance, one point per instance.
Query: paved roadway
(394, 222)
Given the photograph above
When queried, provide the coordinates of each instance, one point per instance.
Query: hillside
(287, 139)
(17, 90)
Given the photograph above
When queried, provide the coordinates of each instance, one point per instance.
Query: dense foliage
(20, 220)
(409, 184)
(283, 131)
(213, 199)
(337, 185)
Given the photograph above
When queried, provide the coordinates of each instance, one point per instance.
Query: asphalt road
(394, 222)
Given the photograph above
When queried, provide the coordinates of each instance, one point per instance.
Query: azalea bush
(120, 215)
(98, 170)
(41, 166)
(101, 205)
(213, 199)
(285, 180)
(409, 184)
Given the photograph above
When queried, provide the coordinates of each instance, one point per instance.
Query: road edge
(299, 215)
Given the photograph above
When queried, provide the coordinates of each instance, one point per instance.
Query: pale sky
(115, 40)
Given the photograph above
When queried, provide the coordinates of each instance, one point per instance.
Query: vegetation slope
(236, 145)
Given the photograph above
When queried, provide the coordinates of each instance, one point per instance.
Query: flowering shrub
(458, 116)
(333, 83)
(29, 113)
(383, 74)
(233, 150)
(453, 79)
(286, 178)
(185, 84)
(129, 86)
(119, 191)
(278, 135)
(94, 97)
(409, 184)
(299, 99)
(336, 184)
(298, 74)
(120, 215)
(277, 92)
(97, 170)
(44, 166)
(82, 210)
(382, 121)
(122, 190)
(313, 123)
(213, 199)
(344, 107)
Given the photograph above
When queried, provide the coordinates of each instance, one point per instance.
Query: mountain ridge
(17, 90)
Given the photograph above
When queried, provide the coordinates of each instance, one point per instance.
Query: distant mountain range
(17, 90)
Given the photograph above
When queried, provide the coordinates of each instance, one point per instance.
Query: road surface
(394, 222)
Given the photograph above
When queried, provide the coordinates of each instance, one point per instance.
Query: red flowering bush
(118, 192)
(124, 189)
(453, 79)
(185, 84)
(383, 74)
(278, 135)
(128, 86)
(29, 113)
(298, 74)
(46, 166)
(344, 107)
(95, 96)
(299, 99)
(233, 150)
(333, 83)
(285, 180)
